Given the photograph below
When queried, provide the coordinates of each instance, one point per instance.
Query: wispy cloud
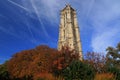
(16, 4)
(46, 9)
(9, 31)
(90, 7)
(103, 15)
(102, 40)
(19, 35)
(37, 13)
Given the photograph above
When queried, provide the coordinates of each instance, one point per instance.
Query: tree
(65, 57)
(4, 75)
(29, 63)
(78, 70)
(113, 56)
(96, 60)
(113, 60)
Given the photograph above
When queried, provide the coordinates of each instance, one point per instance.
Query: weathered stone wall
(69, 34)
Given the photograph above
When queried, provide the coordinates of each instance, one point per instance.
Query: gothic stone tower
(69, 31)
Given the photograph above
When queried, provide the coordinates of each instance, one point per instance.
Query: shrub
(44, 76)
(115, 71)
(78, 70)
(104, 76)
(4, 75)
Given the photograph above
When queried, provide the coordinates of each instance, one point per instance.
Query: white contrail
(39, 18)
(13, 34)
(29, 29)
(90, 7)
(8, 32)
(26, 22)
(18, 5)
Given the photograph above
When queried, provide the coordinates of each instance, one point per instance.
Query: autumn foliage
(65, 57)
(104, 76)
(96, 60)
(45, 63)
(31, 63)
(40, 62)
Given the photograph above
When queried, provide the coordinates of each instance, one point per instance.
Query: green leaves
(4, 75)
(113, 60)
(113, 56)
(78, 71)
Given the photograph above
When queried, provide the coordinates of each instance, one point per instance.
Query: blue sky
(25, 24)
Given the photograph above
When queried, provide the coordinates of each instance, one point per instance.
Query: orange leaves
(59, 63)
(39, 61)
(31, 62)
(64, 58)
(44, 76)
(104, 76)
